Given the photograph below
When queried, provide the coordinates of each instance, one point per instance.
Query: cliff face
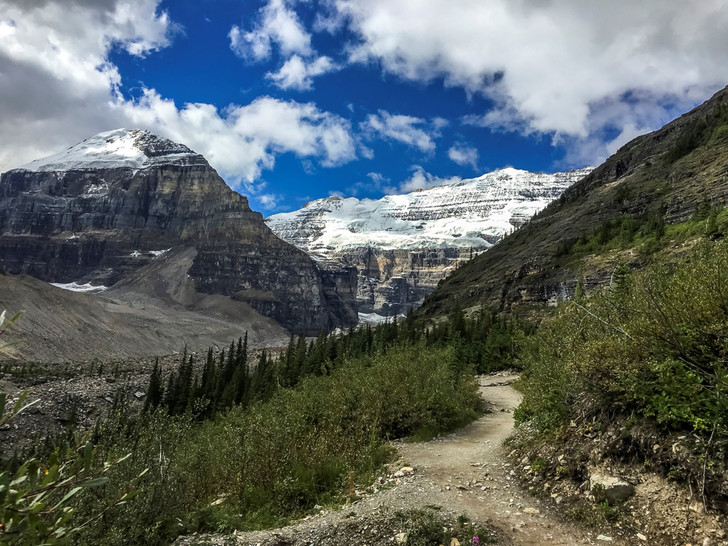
(119, 200)
(391, 281)
(403, 245)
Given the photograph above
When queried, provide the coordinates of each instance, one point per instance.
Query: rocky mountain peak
(404, 245)
(112, 208)
(472, 213)
(134, 149)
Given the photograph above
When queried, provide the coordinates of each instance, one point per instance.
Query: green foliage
(37, 499)
(261, 464)
(483, 343)
(225, 445)
(648, 233)
(653, 345)
(425, 528)
(428, 528)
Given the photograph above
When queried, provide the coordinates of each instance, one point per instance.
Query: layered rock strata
(121, 199)
(403, 245)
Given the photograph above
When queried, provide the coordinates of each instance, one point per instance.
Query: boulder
(611, 488)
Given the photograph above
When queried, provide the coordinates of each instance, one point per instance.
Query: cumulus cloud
(268, 201)
(56, 82)
(58, 87)
(278, 24)
(412, 131)
(298, 73)
(463, 155)
(552, 66)
(421, 180)
(242, 141)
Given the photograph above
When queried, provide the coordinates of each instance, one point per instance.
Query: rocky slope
(661, 176)
(111, 205)
(62, 326)
(403, 245)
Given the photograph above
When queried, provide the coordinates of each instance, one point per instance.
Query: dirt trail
(467, 472)
(462, 473)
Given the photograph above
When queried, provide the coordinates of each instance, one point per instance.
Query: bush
(652, 344)
(276, 459)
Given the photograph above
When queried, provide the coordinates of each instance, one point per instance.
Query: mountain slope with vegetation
(666, 177)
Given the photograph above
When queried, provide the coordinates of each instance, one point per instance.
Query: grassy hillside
(658, 179)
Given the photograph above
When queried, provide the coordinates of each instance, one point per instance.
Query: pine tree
(243, 379)
(183, 386)
(154, 390)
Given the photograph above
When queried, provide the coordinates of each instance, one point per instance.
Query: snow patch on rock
(87, 288)
(375, 318)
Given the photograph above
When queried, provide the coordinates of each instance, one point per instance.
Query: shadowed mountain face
(116, 202)
(663, 175)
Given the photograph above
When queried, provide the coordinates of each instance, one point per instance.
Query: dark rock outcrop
(115, 202)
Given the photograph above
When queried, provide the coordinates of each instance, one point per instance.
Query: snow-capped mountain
(118, 149)
(404, 244)
(115, 208)
(473, 213)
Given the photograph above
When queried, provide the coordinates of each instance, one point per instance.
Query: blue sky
(292, 100)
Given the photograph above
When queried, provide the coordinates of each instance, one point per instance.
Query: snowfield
(472, 213)
(118, 149)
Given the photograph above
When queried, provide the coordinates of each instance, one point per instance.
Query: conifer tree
(154, 390)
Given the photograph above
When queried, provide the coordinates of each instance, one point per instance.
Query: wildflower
(476, 541)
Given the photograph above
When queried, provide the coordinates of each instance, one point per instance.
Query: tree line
(482, 343)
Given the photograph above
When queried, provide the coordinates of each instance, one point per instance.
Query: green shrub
(259, 466)
(653, 344)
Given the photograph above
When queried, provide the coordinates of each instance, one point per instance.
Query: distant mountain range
(403, 245)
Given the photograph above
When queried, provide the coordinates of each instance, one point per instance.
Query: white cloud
(297, 73)
(421, 180)
(552, 66)
(463, 155)
(268, 201)
(242, 141)
(58, 87)
(409, 130)
(278, 25)
(56, 82)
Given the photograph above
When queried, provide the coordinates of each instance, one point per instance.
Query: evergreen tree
(154, 390)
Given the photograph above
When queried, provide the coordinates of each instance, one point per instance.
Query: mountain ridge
(474, 212)
(662, 177)
(403, 245)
